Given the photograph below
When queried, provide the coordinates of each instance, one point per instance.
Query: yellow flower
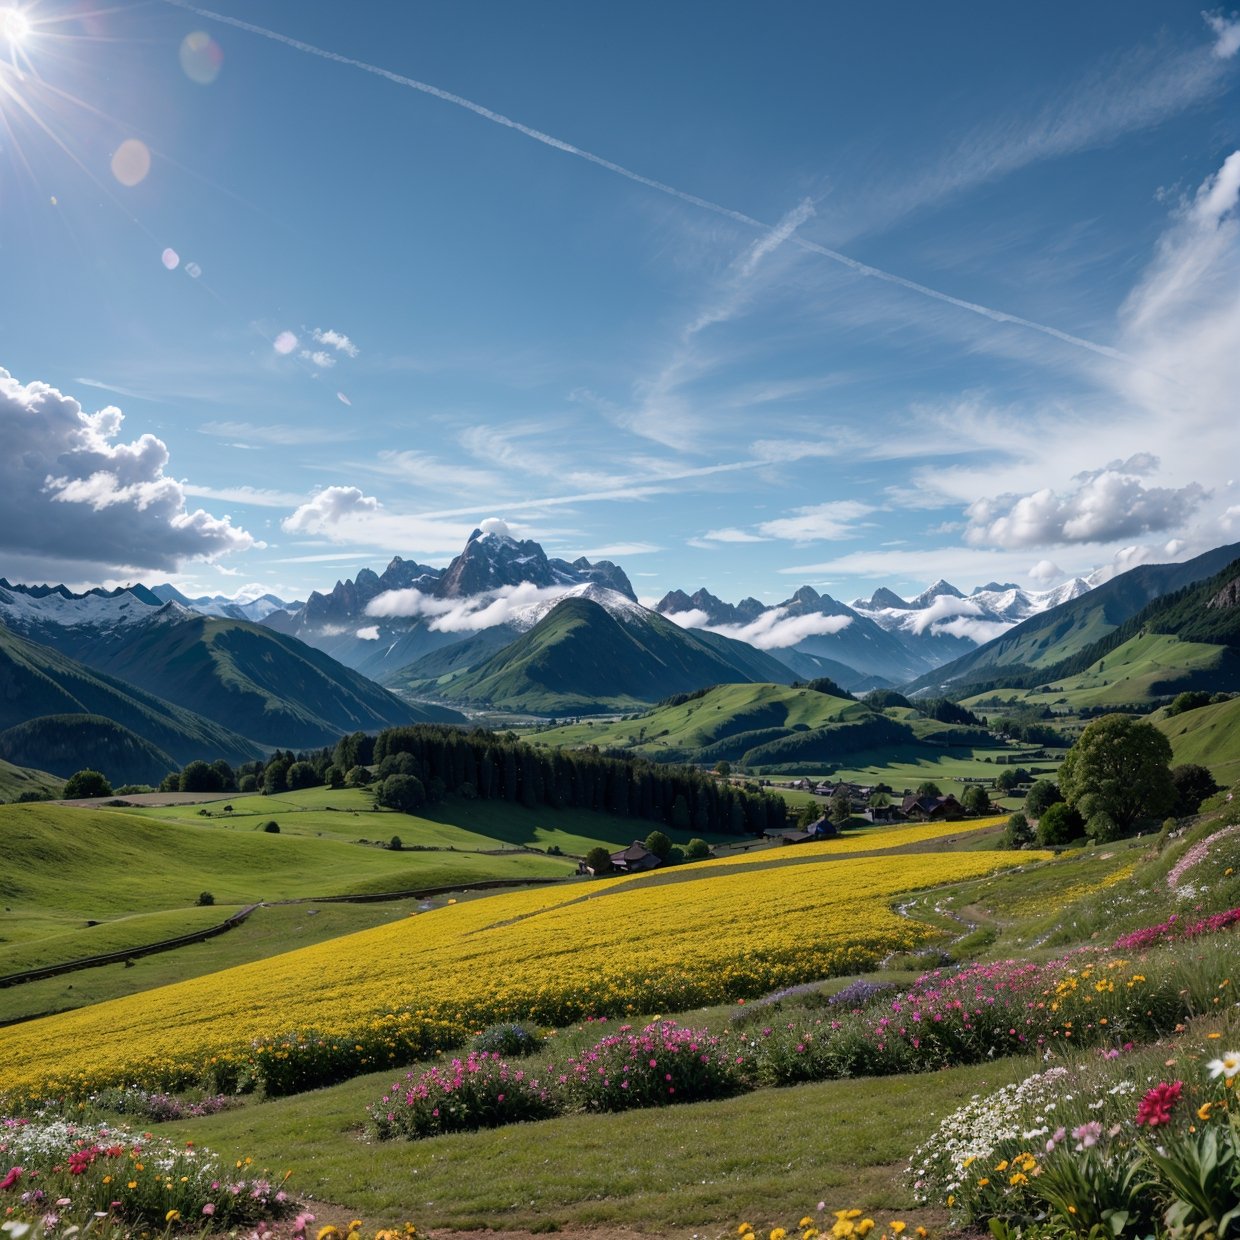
(355, 1225)
(896, 1226)
(983, 1181)
(843, 1229)
(330, 1232)
(1203, 1111)
(778, 1233)
(866, 1225)
(1003, 1166)
(1018, 1177)
(133, 1183)
(173, 1216)
(806, 1222)
(921, 1233)
(744, 1229)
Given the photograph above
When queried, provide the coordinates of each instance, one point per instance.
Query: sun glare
(14, 26)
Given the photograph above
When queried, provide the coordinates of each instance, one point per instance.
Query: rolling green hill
(69, 743)
(580, 659)
(766, 725)
(1044, 641)
(14, 780)
(36, 681)
(261, 683)
(1208, 736)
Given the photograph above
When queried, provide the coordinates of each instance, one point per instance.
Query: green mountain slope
(267, 685)
(1189, 639)
(69, 743)
(36, 681)
(580, 659)
(14, 780)
(765, 725)
(1208, 736)
(1046, 640)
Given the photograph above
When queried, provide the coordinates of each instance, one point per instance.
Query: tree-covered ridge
(499, 767)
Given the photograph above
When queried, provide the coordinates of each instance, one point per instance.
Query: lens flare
(201, 57)
(131, 162)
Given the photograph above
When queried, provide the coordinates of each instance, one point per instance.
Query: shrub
(599, 860)
(271, 827)
(395, 844)
(662, 1064)
(479, 1091)
(510, 1040)
(697, 850)
(205, 898)
(86, 783)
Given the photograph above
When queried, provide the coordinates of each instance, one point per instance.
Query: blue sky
(740, 296)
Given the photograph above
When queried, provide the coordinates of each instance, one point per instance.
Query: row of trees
(499, 767)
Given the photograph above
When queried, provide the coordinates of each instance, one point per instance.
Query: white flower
(1226, 1067)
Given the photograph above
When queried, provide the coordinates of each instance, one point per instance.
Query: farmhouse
(931, 809)
(635, 858)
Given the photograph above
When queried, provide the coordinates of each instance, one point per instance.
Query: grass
(1209, 736)
(14, 780)
(347, 814)
(765, 1157)
(267, 932)
(1143, 669)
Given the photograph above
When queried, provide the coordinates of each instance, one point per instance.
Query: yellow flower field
(874, 839)
(548, 956)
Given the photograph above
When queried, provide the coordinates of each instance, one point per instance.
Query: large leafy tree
(1119, 766)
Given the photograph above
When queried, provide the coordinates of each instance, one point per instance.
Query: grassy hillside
(36, 681)
(14, 780)
(677, 733)
(66, 865)
(262, 683)
(774, 726)
(1208, 736)
(1143, 670)
(1045, 640)
(579, 659)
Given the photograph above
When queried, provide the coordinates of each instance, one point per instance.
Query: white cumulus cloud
(68, 489)
(1104, 506)
(335, 340)
(328, 508)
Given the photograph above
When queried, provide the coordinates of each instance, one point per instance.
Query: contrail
(498, 118)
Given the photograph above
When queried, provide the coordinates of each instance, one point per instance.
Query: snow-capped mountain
(377, 623)
(55, 616)
(955, 622)
(244, 605)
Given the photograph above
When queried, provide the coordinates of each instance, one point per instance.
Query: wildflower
(1087, 1135)
(209, 1209)
(806, 1222)
(744, 1229)
(1155, 1108)
(330, 1232)
(897, 1226)
(778, 1233)
(1203, 1111)
(13, 1176)
(173, 1216)
(1226, 1067)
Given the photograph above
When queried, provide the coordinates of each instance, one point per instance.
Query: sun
(14, 26)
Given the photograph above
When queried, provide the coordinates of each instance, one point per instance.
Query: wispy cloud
(258, 496)
(1136, 90)
(823, 522)
(335, 340)
(280, 434)
(865, 270)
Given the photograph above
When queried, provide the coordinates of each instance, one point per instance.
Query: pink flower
(209, 1209)
(1087, 1134)
(1155, 1108)
(9, 1180)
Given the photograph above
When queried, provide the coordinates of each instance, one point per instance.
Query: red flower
(9, 1180)
(1155, 1108)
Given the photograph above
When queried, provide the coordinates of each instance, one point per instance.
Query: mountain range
(505, 627)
